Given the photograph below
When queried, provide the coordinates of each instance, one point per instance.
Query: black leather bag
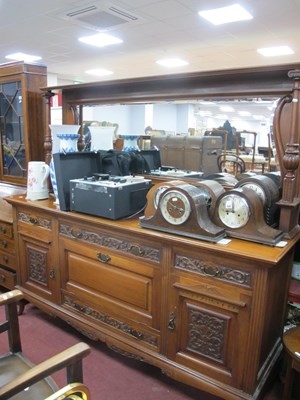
(121, 163)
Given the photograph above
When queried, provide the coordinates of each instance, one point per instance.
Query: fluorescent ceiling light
(207, 102)
(99, 72)
(204, 113)
(226, 109)
(100, 40)
(23, 57)
(172, 62)
(258, 117)
(244, 113)
(224, 15)
(275, 51)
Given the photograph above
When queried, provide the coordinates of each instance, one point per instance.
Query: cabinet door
(21, 118)
(37, 259)
(208, 321)
(13, 158)
(38, 272)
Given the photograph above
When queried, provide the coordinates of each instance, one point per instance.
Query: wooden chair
(231, 163)
(20, 379)
(291, 342)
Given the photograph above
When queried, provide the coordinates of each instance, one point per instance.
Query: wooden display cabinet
(22, 118)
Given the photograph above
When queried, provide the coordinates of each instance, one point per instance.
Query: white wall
(175, 118)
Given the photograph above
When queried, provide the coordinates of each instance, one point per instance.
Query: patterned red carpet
(109, 375)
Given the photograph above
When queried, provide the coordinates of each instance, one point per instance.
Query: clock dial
(175, 207)
(268, 191)
(160, 190)
(258, 189)
(233, 211)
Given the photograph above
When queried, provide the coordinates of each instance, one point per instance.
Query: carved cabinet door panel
(209, 312)
(37, 266)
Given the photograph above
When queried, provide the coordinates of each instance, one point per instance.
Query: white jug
(37, 184)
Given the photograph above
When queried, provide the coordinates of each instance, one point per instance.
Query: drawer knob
(3, 228)
(5, 259)
(4, 243)
(104, 258)
(2, 278)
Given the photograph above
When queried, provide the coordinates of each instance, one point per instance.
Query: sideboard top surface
(242, 248)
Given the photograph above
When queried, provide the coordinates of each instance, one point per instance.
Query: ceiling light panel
(99, 72)
(172, 62)
(100, 40)
(275, 51)
(23, 57)
(224, 15)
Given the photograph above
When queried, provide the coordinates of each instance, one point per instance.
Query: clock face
(175, 207)
(160, 190)
(233, 211)
(257, 188)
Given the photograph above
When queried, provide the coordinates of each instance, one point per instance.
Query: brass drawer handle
(3, 229)
(2, 278)
(52, 273)
(33, 220)
(136, 334)
(210, 270)
(136, 250)
(104, 258)
(171, 323)
(75, 234)
(4, 243)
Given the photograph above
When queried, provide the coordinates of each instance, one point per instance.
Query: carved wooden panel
(125, 246)
(37, 265)
(35, 220)
(213, 270)
(207, 332)
(122, 326)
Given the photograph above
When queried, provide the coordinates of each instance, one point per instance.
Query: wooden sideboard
(209, 315)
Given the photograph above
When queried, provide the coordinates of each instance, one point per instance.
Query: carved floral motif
(213, 270)
(206, 334)
(33, 220)
(111, 242)
(37, 265)
(106, 319)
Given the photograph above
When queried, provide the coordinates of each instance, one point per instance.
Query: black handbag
(121, 163)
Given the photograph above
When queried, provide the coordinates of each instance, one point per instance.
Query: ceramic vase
(64, 140)
(130, 142)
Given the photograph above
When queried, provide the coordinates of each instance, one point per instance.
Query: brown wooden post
(287, 137)
(48, 138)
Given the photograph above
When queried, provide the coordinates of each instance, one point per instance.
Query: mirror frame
(274, 80)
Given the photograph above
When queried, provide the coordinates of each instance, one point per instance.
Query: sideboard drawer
(7, 278)
(6, 230)
(8, 260)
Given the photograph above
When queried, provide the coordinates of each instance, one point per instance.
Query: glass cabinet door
(12, 130)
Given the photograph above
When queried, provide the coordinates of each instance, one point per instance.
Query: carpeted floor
(109, 375)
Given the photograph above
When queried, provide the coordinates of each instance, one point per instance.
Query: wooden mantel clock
(240, 212)
(181, 209)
